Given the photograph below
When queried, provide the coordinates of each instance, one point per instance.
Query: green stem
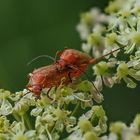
(16, 117)
(75, 109)
(53, 127)
(49, 135)
(23, 123)
(26, 118)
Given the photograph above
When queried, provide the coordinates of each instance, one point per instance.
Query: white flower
(83, 30)
(123, 72)
(86, 47)
(101, 70)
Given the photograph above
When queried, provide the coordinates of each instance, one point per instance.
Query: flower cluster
(22, 116)
(119, 130)
(68, 112)
(103, 33)
(70, 116)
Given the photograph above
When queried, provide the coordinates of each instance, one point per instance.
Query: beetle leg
(69, 75)
(48, 94)
(74, 67)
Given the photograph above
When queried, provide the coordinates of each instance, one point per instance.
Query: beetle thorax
(74, 57)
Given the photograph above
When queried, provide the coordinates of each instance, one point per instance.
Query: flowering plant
(71, 114)
(103, 33)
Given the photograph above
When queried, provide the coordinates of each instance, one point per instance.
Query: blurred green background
(29, 28)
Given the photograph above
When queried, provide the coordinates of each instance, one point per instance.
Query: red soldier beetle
(71, 64)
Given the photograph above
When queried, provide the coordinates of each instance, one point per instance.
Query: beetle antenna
(94, 60)
(41, 56)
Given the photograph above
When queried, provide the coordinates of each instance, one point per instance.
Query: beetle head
(36, 89)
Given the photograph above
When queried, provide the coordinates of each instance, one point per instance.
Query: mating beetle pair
(71, 64)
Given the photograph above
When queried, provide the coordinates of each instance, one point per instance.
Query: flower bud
(20, 137)
(101, 68)
(122, 70)
(90, 136)
(135, 37)
(86, 18)
(94, 39)
(125, 13)
(111, 38)
(85, 125)
(113, 7)
(60, 114)
(117, 127)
